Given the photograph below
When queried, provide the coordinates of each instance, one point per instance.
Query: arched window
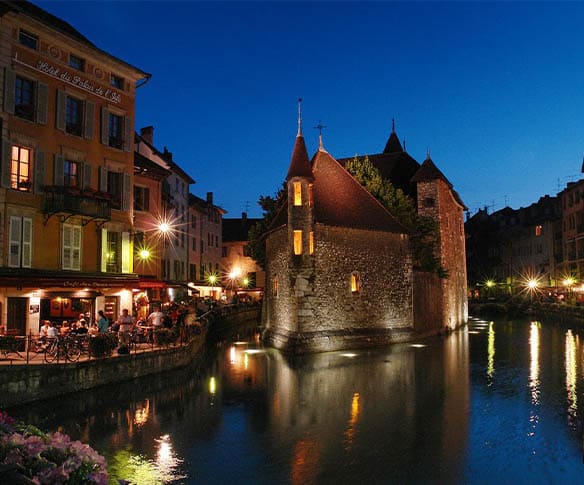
(355, 283)
(297, 193)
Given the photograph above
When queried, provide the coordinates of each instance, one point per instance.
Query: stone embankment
(525, 308)
(26, 383)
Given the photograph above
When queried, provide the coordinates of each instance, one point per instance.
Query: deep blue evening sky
(494, 90)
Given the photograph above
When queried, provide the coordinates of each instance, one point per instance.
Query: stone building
(339, 266)
(66, 209)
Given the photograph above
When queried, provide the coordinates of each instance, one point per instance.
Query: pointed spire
(582, 170)
(393, 125)
(404, 144)
(299, 117)
(428, 153)
(320, 127)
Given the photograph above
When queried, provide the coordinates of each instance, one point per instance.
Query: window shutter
(66, 247)
(126, 253)
(58, 170)
(61, 110)
(103, 250)
(86, 176)
(103, 179)
(88, 120)
(6, 162)
(39, 172)
(104, 126)
(15, 236)
(42, 106)
(76, 247)
(9, 88)
(128, 130)
(26, 242)
(126, 191)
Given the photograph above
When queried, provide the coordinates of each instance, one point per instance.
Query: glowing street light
(490, 283)
(532, 284)
(144, 254)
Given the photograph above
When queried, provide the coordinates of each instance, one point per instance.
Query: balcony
(72, 201)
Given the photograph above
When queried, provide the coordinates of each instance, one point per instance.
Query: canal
(497, 402)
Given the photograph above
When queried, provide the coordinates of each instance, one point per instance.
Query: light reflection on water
(399, 414)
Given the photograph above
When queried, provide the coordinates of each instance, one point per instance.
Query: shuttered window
(21, 169)
(71, 247)
(20, 244)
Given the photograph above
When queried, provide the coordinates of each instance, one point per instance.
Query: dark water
(498, 402)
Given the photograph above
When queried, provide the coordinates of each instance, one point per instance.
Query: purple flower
(34, 445)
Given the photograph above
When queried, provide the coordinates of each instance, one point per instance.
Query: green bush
(102, 344)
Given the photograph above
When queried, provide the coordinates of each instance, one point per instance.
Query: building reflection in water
(353, 418)
(491, 352)
(571, 373)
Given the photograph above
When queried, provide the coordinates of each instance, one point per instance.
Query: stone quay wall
(26, 383)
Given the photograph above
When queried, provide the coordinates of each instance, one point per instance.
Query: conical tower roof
(299, 162)
(393, 144)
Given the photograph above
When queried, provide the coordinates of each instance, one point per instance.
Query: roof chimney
(148, 134)
(243, 218)
(167, 155)
(209, 197)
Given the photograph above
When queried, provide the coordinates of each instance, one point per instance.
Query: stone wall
(26, 383)
(428, 304)
(315, 309)
(449, 214)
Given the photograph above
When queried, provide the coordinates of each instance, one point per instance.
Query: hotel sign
(74, 79)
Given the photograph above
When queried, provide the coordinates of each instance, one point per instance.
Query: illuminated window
(538, 230)
(311, 243)
(275, 285)
(21, 169)
(310, 197)
(355, 284)
(297, 242)
(297, 193)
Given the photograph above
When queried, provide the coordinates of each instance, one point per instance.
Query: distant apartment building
(171, 229)
(205, 235)
(572, 200)
(66, 172)
(242, 272)
(509, 247)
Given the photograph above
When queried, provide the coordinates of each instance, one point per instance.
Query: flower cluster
(49, 458)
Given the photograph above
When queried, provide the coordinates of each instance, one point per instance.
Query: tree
(424, 235)
(257, 232)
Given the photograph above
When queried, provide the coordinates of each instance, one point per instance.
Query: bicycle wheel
(52, 352)
(72, 350)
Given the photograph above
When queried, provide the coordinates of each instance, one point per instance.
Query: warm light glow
(490, 283)
(418, 346)
(141, 414)
(212, 279)
(253, 351)
(235, 273)
(532, 284)
(164, 227)
(311, 242)
(355, 283)
(232, 355)
(297, 193)
(245, 282)
(350, 355)
(571, 372)
(569, 281)
(491, 351)
(212, 386)
(245, 361)
(297, 243)
(144, 254)
(355, 410)
(534, 363)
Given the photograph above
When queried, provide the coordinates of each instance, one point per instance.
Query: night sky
(495, 91)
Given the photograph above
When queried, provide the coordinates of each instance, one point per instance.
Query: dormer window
(297, 193)
(29, 40)
(297, 243)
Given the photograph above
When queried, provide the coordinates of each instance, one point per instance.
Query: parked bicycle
(10, 344)
(62, 348)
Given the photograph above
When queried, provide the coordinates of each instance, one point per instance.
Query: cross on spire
(393, 125)
(320, 127)
(299, 117)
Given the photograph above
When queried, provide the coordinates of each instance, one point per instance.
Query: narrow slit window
(297, 243)
(355, 284)
(310, 196)
(297, 193)
(275, 285)
(311, 242)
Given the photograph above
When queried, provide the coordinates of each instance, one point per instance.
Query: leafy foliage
(424, 235)
(256, 235)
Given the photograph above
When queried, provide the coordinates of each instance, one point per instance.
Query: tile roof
(339, 200)
(429, 171)
(393, 145)
(299, 163)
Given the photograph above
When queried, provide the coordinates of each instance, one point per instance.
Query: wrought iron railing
(71, 200)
